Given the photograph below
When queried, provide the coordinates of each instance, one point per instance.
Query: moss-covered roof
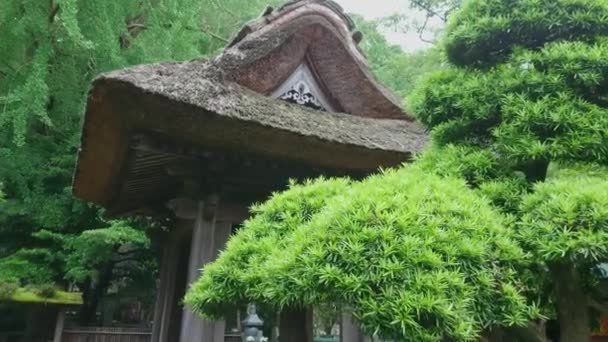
(29, 296)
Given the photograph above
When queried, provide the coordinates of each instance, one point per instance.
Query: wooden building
(291, 96)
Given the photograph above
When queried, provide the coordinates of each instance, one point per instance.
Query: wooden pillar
(296, 325)
(167, 312)
(349, 331)
(208, 237)
(59, 325)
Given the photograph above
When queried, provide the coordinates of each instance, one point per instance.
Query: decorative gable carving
(305, 36)
(302, 88)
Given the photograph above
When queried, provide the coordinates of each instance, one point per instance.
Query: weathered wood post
(208, 237)
(349, 331)
(296, 325)
(59, 325)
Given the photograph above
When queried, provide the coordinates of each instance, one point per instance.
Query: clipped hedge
(485, 32)
(566, 219)
(413, 255)
(547, 105)
(239, 274)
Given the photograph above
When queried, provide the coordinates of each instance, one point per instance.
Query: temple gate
(291, 97)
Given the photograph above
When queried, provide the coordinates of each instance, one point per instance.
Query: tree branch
(53, 10)
(215, 35)
(223, 8)
(422, 29)
(431, 11)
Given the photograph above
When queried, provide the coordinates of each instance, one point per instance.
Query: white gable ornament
(302, 88)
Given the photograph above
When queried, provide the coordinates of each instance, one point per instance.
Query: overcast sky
(373, 9)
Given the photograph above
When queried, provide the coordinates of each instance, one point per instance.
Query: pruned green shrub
(239, 274)
(485, 32)
(526, 96)
(414, 256)
(566, 220)
(45, 290)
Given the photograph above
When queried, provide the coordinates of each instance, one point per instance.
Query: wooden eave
(206, 113)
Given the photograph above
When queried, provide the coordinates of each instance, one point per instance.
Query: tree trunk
(572, 304)
(92, 293)
(536, 170)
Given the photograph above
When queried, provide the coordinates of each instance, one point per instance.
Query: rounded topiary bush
(485, 32)
(566, 220)
(239, 275)
(412, 255)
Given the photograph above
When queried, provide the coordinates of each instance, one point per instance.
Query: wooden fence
(106, 334)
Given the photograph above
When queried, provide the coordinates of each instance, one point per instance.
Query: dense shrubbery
(412, 255)
(240, 275)
(485, 32)
(571, 214)
(528, 97)
(7, 290)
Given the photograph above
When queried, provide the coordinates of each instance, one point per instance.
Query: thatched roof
(222, 105)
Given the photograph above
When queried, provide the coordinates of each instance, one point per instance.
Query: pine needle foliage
(571, 213)
(485, 32)
(413, 256)
(239, 275)
(522, 113)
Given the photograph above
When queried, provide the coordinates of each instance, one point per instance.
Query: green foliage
(28, 266)
(7, 290)
(475, 165)
(414, 256)
(571, 215)
(530, 108)
(94, 248)
(38, 295)
(398, 70)
(240, 270)
(526, 98)
(49, 53)
(485, 32)
(45, 291)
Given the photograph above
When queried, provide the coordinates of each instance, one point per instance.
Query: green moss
(26, 295)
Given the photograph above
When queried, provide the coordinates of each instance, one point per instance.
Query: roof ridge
(334, 6)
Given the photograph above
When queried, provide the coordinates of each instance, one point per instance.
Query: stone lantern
(252, 326)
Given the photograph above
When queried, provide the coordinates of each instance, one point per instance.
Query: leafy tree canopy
(539, 105)
(523, 103)
(399, 70)
(49, 53)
